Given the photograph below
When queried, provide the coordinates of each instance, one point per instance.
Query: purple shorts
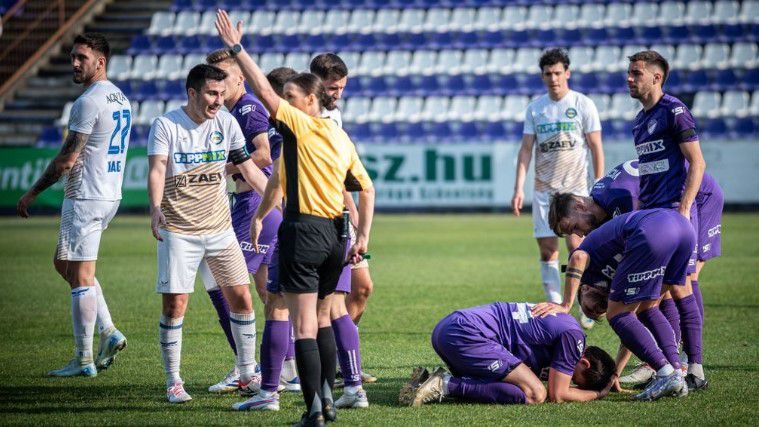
(709, 230)
(471, 352)
(657, 252)
(272, 283)
(245, 205)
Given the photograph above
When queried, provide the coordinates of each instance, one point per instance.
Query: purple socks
(654, 321)
(699, 299)
(669, 310)
(638, 339)
(222, 309)
(348, 352)
(690, 323)
(274, 345)
(485, 392)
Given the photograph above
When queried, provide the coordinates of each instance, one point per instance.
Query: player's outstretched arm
(156, 183)
(62, 163)
(697, 166)
(523, 162)
(232, 35)
(596, 153)
(560, 389)
(578, 262)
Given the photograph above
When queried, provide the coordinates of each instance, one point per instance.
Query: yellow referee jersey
(318, 161)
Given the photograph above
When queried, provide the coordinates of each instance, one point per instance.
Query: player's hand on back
(156, 221)
(228, 33)
(544, 309)
(22, 207)
(516, 202)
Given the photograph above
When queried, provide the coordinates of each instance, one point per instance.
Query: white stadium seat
(462, 19)
(581, 58)
(361, 21)
(526, 60)
(514, 107)
(206, 25)
(591, 15)
(422, 62)
(602, 102)
(351, 59)
(474, 61)
(539, 16)
(356, 109)
(749, 11)
(169, 67)
(725, 12)
(371, 63)
(335, 21)
(666, 50)
(269, 61)
(144, 66)
(623, 107)
(186, 23)
(192, 60)
(119, 67)
(434, 109)
(174, 104)
(449, 62)
(716, 55)
(514, 17)
(644, 13)
(501, 61)
(149, 110)
(670, 11)
(311, 22)
(261, 22)
(437, 19)
(488, 108)
(409, 109)
(462, 108)
(161, 23)
(754, 108)
(286, 22)
(297, 60)
(606, 58)
(386, 21)
(698, 12)
(735, 103)
(383, 109)
(488, 18)
(744, 55)
(627, 51)
(687, 56)
(617, 13)
(565, 15)
(706, 104)
(411, 20)
(397, 62)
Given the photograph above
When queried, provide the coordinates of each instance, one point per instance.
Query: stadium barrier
(409, 176)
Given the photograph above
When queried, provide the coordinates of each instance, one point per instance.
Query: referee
(318, 161)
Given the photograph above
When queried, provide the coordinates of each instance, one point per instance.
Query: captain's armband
(239, 155)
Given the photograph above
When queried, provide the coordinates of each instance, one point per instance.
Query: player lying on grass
(497, 352)
(618, 193)
(653, 248)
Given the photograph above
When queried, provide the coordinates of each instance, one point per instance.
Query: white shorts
(180, 255)
(541, 203)
(82, 224)
(364, 262)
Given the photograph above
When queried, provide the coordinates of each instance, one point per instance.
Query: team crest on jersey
(571, 113)
(216, 137)
(651, 126)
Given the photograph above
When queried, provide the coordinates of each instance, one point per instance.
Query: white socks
(696, 369)
(665, 371)
(549, 273)
(170, 338)
(244, 332)
(289, 370)
(84, 304)
(104, 322)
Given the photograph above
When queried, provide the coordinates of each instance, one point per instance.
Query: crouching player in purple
(497, 352)
(254, 122)
(655, 246)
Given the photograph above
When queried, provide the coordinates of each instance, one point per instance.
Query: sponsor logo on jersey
(202, 157)
(651, 126)
(247, 108)
(494, 366)
(580, 346)
(556, 127)
(199, 179)
(561, 145)
(706, 248)
(571, 113)
(632, 291)
(646, 275)
(116, 97)
(678, 110)
(248, 247)
(216, 137)
(650, 168)
(650, 147)
(715, 230)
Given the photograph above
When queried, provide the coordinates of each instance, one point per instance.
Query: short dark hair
(559, 209)
(311, 84)
(198, 75)
(95, 41)
(652, 57)
(278, 77)
(601, 369)
(219, 55)
(328, 66)
(553, 57)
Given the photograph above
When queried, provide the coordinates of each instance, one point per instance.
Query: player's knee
(364, 289)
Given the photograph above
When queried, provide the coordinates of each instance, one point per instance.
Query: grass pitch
(423, 267)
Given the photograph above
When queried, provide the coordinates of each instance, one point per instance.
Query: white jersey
(103, 113)
(335, 115)
(195, 196)
(561, 152)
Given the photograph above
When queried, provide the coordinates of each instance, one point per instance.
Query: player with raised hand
(498, 352)
(188, 149)
(565, 125)
(94, 156)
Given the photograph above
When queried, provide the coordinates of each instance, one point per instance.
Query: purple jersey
(553, 341)
(658, 134)
(254, 120)
(618, 191)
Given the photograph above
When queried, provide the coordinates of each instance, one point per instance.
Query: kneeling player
(655, 246)
(496, 353)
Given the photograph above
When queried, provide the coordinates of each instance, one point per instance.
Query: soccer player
(655, 246)
(94, 156)
(355, 284)
(254, 122)
(318, 162)
(497, 353)
(188, 149)
(565, 124)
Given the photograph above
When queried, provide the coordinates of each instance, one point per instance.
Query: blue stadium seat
(514, 131)
(734, 33)
(180, 5)
(425, 85)
(697, 80)
(504, 84)
(586, 82)
(258, 43)
(50, 136)
(648, 35)
(171, 89)
(465, 132)
(374, 86)
(620, 35)
(358, 132)
(613, 82)
(596, 36)
(516, 39)
(411, 41)
(399, 85)
(492, 39)
(750, 80)
(147, 89)
(478, 85)
(451, 85)
(724, 80)
(674, 81)
(619, 129)
(125, 86)
(676, 34)
(286, 43)
(341, 42)
(413, 133)
(702, 33)
(570, 37)
(465, 40)
(440, 132)
(438, 40)
(493, 131)
(712, 128)
(364, 42)
(528, 84)
(163, 44)
(194, 44)
(140, 44)
(745, 127)
(138, 136)
(545, 38)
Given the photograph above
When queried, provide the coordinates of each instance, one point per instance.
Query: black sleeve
(239, 155)
(351, 183)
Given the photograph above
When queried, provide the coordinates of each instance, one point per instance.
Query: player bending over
(496, 353)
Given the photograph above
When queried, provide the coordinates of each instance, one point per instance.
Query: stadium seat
(161, 23)
(488, 19)
(140, 44)
(187, 22)
(360, 21)
(581, 58)
(434, 108)
(698, 12)
(539, 16)
(526, 60)
(143, 66)
(270, 61)
(371, 63)
(146, 90)
(669, 12)
(172, 90)
(716, 55)
(461, 108)
(725, 12)
(504, 84)
(754, 108)
(623, 106)
(645, 34)
(697, 80)
(706, 104)
(743, 128)
(474, 61)
(488, 108)
(703, 34)
(676, 34)
(666, 50)
(169, 67)
(409, 109)
(449, 62)
(601, 102)
(479, 84)
(411, 20)
(451, 85)
(617, 13)
(192, 60)
(565, 15)
(687, 56)
(462, 19)
(500, 61)
(50, 136)
(585, 82)
(750, 80)
(386, 21)
(119, 67)
(286, 22)
(351, 59)
(712, 128)
(674, 82)
(644, 13)
(297, 60)
(357, 109)
(514, 17)
(514, 107)
(397, 62)
(422, 62)
(735, 103)
(749, 11)
(606, 58)
(262, 22)
(743, 55)
(626, 52)
(591, 14)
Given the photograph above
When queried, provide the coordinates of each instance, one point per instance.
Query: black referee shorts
(311, 254)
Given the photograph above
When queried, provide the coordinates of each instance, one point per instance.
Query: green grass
(423, 267)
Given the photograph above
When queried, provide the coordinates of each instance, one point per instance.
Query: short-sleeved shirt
(658, 134)
(105, 114)
(561, 150)
(605, 246)
(318, 161)
(335, 115)
(617, 192)
(194, 197)
(555, 341)
(253, 120)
